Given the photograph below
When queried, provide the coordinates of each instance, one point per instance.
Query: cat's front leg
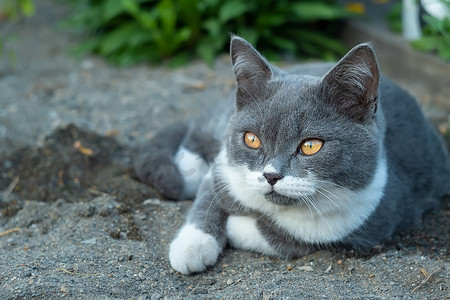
(243, 233)
(202, 238)
(260, 234)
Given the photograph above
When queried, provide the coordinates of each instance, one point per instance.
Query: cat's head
(295, 137)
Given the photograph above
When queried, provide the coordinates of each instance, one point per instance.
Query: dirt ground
(75, 222)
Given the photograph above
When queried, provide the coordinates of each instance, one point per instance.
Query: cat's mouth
(279, 199)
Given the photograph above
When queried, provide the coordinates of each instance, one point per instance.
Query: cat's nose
(272, 178)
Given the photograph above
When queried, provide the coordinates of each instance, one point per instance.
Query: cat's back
(411, 141)
(417, 159)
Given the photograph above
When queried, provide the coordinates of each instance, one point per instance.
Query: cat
(325, 154)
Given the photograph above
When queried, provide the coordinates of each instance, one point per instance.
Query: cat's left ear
(251, 70)
(352, 85)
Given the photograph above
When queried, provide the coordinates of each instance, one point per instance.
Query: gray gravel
(103, 247)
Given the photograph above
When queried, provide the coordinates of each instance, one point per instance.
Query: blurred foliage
(436, 37)
(13, 10)
(435, 32)
(131, 31)
(394, 18)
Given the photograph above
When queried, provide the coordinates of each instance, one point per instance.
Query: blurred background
(132, 31)
(411, 37)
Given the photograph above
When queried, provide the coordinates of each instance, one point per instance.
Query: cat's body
(376, 163)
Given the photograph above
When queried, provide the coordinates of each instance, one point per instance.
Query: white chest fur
(192, 168)
(325, 224)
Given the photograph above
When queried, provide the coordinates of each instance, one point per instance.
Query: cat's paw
(193, 250)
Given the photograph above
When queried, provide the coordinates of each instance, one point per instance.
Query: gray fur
(362, 117)
(156, 165)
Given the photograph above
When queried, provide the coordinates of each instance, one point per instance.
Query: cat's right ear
(251, 70)
(352, 85)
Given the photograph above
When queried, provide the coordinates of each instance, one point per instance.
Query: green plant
(394, 18)
(130, 31)
(435, 32)
(13, 10)
(436, 36)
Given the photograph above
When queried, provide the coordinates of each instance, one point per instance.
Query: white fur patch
(332, 213)
(242, 233)
(293, 186)
(193, 250)
(269, 169)
(192, 167)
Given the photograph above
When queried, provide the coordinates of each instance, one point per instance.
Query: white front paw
(193, 250)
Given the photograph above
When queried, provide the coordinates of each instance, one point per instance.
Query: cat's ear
(251, 70)
(352, 85)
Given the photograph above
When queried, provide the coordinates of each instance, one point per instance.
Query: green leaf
(426, 43)
(232, 9)
(312, 11)
(270, 19)
(394, 18)
(213, 27)
(88, 46)
(319, 39)
(129, 6)
(205, 51)
(147, 20)
(140, 38)
(433, 23)
(167, 16)
(182, 35)
(250, 34)
(284, 43)
(444, 52)
(179, 60)
(111, 10)
(117, 39)
(27, 7)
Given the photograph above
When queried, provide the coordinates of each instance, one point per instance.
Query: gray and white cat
(326, 154)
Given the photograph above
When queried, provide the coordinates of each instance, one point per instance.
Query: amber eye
(251, 140)
(311, 146)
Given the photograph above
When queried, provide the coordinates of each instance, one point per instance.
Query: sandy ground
(75, 223)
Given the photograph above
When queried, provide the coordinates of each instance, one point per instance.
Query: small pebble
(152, 202)
(230, 281)
(306, 269)
(64, 290)
(125, 257)
(91, 211)
(92, 241)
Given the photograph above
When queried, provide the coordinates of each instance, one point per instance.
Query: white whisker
(333, 202)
